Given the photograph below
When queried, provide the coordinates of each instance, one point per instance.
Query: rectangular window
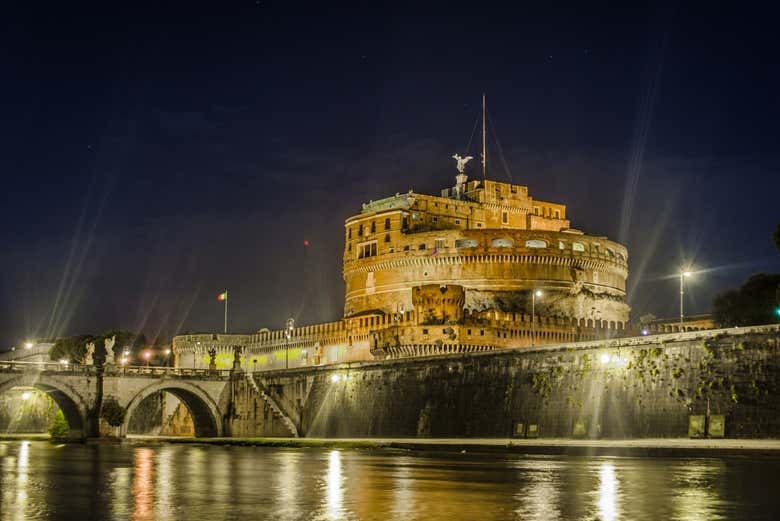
(373, 226)
(440, 244)
(367, 250)
(457, 221)
(479, 225)
(421, 247)
(536, 210)
(513, 189)
(360, 231)
(468, 332)
(406, 248)
(481, 332)
(505, 217)
(349, 233)
(557, 214)
(425, 331)
(387, 224)
(435, 219)
(387, 237)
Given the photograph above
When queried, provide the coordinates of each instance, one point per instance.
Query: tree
(113, 413)
(752, 304)
(59, 426)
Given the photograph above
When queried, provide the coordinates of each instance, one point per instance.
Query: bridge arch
(70, 402)
(205, 413)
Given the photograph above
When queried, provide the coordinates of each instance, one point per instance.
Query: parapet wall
(624, 388)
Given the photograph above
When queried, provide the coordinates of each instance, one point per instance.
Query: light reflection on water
(168, 482)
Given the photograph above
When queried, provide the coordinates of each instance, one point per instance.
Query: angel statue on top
(461, 162)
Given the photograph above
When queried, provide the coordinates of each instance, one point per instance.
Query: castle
(481, 266)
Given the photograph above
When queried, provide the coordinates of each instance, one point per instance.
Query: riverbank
(669, 447)
(651, 447)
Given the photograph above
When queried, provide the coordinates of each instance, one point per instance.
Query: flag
(222, 296)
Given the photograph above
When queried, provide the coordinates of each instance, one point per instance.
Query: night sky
(153, 157)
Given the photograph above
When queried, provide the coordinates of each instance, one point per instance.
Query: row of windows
(370, 249)
(547, 212)
(364, 230)
(505, 242)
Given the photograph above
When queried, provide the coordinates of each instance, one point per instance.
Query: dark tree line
(754, 303)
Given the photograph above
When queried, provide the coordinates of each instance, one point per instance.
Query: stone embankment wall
(635, 387)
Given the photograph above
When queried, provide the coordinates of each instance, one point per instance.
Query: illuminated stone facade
(450, 273)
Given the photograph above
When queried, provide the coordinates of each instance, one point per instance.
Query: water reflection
(538, 499)
(403, 491)
(22, 464)
(164, 485)
(197, 483)
(335, 492)
(608, 493)
(694, 495)
(143, 486)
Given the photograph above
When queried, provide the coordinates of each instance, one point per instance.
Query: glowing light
(604, 358)
(147, 354)
(64, 361)
(28, 345)
(335, 378)
(687, 273)
(538, 293)
(334, 487)
(645, 332)
(608, 493)
(25, 396)
(124, 361)
(167, 352)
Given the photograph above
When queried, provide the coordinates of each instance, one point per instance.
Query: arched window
(609, 253)
(502, 243)
(561, 245)
(577, 246)
(466, 243)
(535, 243)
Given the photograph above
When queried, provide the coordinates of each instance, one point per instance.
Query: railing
(170, 371)
(120, 370)
(46, 366)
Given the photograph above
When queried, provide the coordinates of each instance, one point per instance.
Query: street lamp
(147, 355)
(683, 275)
(288, 333)
(534, 294)
(167, 357)
(28, 345)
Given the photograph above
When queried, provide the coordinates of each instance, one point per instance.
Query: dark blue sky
(153, 156)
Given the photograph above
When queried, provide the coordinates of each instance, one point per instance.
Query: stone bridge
(80, 391)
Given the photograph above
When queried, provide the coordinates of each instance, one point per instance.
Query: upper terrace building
(457, 271)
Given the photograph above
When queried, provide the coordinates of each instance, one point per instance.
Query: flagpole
(226, 296)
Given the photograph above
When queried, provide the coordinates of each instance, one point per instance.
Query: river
(39, 480)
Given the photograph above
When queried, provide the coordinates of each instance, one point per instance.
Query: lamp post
(683, 274)
(147, 354)
(167, 357)
(534, 294)
(288, 334)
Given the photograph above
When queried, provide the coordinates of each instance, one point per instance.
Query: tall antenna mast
(484, 141)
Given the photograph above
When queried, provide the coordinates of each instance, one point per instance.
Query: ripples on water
(170, 482)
